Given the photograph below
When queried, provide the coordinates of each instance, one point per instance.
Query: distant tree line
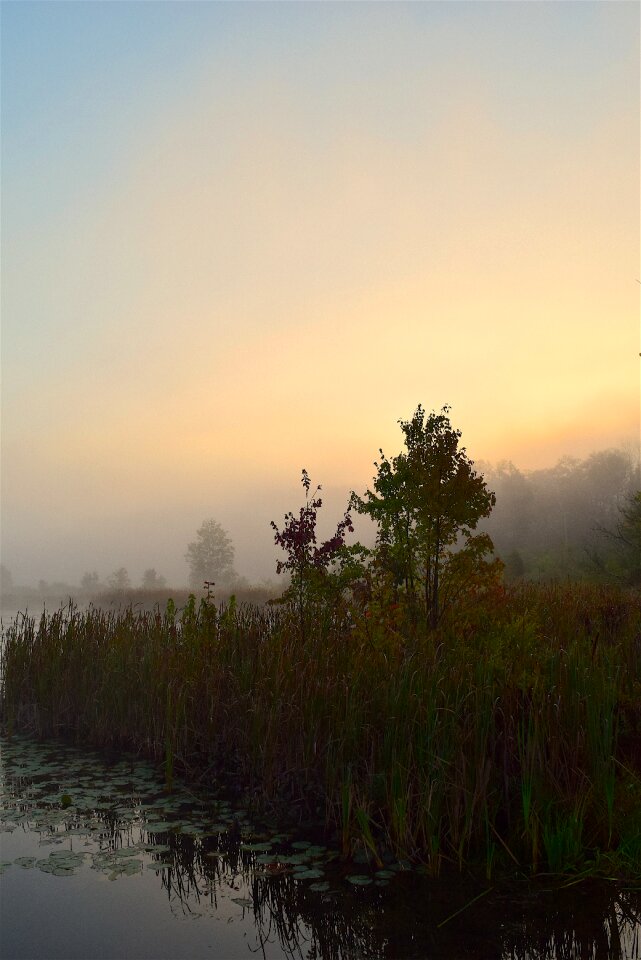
(439, 523)
(579, 519)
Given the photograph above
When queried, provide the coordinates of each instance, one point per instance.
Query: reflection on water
(97, 861)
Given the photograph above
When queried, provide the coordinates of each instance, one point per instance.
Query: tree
(307, 562)
(625, 539)
(514, 515)
(424, 501)
(119, 580)
(152, 580)
(210, 556)
(90, 582)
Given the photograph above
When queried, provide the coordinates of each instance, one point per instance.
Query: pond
(98, 861)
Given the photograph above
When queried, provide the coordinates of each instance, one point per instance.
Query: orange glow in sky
(239, 239)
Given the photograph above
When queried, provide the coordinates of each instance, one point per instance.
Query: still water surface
(99, 862)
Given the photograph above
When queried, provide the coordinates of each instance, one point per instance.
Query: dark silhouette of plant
(307, 561)
(424, 501)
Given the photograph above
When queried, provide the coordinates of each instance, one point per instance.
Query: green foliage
(426, 503)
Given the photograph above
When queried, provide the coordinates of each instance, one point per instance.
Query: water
(99, 862)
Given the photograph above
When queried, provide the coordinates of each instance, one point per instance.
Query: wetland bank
(404, 744)
(347, 793)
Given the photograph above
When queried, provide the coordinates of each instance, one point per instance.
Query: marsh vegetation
(509, 737)
(404, 696)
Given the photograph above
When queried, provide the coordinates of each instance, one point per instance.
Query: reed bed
(509, 738)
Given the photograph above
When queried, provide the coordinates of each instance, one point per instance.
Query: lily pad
(127, 869)
(272, 870)
(242, 901)
(126, 852)
(308, 874)
(316, 851)
(359, 880)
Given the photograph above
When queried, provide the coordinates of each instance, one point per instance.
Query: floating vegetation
(312, 874)
(276, 884)
(319, 887)
(128, 823)
(242, 901)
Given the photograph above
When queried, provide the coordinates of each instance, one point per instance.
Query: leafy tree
(152, 580)
(424, 501)
(625, 540)
(514, 516)
(307, 561)
(90, 582)
(119, 580)
(514, 566)
(210, 556)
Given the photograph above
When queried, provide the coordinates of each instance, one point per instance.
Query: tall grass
(512, 735)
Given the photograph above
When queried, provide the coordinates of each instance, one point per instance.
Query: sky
(240, 239)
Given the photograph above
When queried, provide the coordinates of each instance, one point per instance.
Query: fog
(243, 239)
(546, 523)
(158, 538)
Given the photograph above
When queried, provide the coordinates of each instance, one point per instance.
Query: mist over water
(547, 522)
